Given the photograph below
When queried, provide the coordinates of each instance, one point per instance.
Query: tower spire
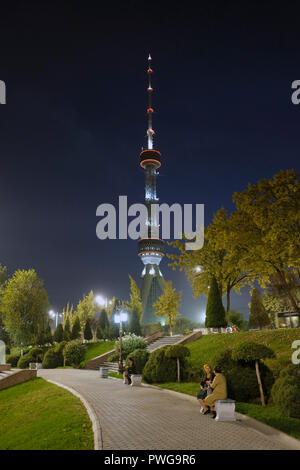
(150, 131)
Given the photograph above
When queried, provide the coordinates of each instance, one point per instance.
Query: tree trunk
(228, 300)
(178, 370)
(262, 397)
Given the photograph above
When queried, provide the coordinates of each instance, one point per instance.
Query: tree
(167, 304)
(68, 314)
(24, 306)
(135, 304)
(215, 313)
(178, 352)
(265, 227)
(67, 330)
(94, 325)
(86, 308)
(183, 324)
(248, 352)
(3, 277)
(103, 325)
(216, 259)
(87, 334)
(76, 329)
(58, 335)
(258, 316)
(45, 336)
(134, 323)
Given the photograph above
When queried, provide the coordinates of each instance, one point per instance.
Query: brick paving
(145, 418)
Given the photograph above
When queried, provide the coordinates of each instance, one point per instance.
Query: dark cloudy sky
(75, 121)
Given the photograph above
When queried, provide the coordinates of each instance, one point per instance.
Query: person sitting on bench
(129, 370)
(219, 387)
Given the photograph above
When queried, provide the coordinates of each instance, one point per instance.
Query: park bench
(225, 410)
(35, 365)
(136, 380)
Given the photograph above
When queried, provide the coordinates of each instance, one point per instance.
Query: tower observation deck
(150, 248)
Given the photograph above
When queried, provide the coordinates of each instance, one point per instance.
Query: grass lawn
(280, 341)
(98, 348)
(38, 415)
(115, 375)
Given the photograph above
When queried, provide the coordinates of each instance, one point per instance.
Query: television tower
(150, 248)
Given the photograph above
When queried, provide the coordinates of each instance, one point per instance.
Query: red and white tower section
(150, 248)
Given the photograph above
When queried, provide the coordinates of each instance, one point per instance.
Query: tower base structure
(152, 286)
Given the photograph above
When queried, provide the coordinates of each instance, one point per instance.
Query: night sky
(75, 122)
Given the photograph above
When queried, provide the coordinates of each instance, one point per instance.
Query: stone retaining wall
(17, 377)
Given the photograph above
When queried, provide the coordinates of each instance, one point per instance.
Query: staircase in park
(164, 341)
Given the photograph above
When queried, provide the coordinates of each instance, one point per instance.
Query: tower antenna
(150, 110)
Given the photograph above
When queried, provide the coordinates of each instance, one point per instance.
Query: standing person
(219, 387)
(205, 388)
(129, 370)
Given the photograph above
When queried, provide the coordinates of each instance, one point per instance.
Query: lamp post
(119, 318)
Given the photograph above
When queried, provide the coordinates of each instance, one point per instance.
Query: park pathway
(146, 418)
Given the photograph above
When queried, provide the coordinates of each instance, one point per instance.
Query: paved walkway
(146, 418)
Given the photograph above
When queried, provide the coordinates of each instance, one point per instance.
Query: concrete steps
(164, 341)
(6, 373)
(112, 366)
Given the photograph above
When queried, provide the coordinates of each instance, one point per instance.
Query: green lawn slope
(38, 415)
(280, 341)
(98, 348)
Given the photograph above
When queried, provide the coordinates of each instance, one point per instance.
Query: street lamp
(103, 302)
(55, 315)
(119, 318)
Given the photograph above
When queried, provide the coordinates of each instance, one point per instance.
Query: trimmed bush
(178, 352)
(34, 355)
(286, 391)
(241, 377)
(74, 353)
(59, 349)
(160, 368)
(251, 353)
(140, 357)
(195, 374)
(52, 359)
(12, 359)
(130, 342)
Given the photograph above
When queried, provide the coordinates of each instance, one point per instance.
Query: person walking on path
(219, 387)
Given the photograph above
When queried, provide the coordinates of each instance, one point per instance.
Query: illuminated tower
(150, 249)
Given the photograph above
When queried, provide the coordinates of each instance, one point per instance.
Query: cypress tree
(258, 316)
(67, 330)
(58, 333)
(87, 334)
(134, 323)
(76, 329)
(103, 325)
(215, 312)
